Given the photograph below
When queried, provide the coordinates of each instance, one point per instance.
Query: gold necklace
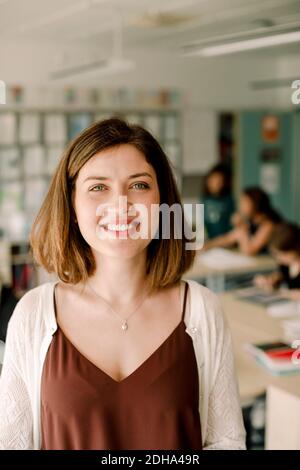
(124, 325)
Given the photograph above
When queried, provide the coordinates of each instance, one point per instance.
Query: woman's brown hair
(286, 237)
(55, 239)
(262, 204)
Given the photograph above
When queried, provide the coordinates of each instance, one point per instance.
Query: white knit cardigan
(30, 333)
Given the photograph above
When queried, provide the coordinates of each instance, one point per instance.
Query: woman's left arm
(251, 245)
(225, 426)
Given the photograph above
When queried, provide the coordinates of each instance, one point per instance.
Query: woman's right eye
(96, 188)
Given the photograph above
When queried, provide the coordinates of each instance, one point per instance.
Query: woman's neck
(119, 280)
(258, 218)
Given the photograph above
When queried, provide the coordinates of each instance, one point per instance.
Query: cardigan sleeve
(16, 419)
(225, 426)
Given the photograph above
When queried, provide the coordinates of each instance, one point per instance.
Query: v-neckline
(133, 373)
(144, 363)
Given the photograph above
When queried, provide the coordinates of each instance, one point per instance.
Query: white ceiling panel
(162, 24)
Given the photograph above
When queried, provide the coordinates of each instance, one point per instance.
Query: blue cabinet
(278, 160)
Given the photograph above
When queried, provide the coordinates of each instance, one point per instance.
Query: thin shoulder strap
(184, 299)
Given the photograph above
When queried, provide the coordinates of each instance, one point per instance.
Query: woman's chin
(119, 247)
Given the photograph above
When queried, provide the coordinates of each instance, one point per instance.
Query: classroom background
(216, 82)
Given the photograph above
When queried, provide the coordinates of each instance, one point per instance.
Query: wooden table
(251, 323)
(215, 278)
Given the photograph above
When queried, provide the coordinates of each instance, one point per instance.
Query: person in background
(253, 224)
(218, 201)
(285, 247)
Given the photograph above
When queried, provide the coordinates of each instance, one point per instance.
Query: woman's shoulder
(205, 304)
(32, 306)
(207, 320)
(34, 296)
(199, 290)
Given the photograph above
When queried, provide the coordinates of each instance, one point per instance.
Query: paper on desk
(284, 309)
(291, 329)
(220, 258)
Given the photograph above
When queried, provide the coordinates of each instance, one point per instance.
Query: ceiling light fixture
(246, 44)
(100, 67)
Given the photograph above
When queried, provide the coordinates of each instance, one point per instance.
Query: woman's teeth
(119, 227)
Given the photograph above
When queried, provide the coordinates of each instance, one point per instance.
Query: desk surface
(251, 323)
(261, 263)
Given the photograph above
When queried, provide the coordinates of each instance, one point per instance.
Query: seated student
(218, 201)
(285, 247)
(253, 225)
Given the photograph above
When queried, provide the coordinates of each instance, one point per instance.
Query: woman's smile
(120, 229)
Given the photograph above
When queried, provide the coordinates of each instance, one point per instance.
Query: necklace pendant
(124, 326)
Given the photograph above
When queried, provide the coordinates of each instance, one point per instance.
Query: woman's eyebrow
(102, 178)
(96, 178)
(137, 175)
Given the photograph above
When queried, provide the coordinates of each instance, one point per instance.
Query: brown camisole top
(155, 407)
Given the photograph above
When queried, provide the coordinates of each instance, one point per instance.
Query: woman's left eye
(145, 186)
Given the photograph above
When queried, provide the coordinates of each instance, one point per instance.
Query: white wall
(214, 83)
(221, 83)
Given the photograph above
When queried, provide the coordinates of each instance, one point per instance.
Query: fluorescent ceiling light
(247, 44)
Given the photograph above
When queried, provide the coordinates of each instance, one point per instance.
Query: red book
(281, 354)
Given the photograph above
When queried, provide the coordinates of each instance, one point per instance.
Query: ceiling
(168, 25)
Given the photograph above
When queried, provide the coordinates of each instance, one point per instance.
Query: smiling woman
(120, 352)
(105, 153)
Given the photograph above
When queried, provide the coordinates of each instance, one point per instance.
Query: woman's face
(215, 183)
(246, 206)
(107, 191)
